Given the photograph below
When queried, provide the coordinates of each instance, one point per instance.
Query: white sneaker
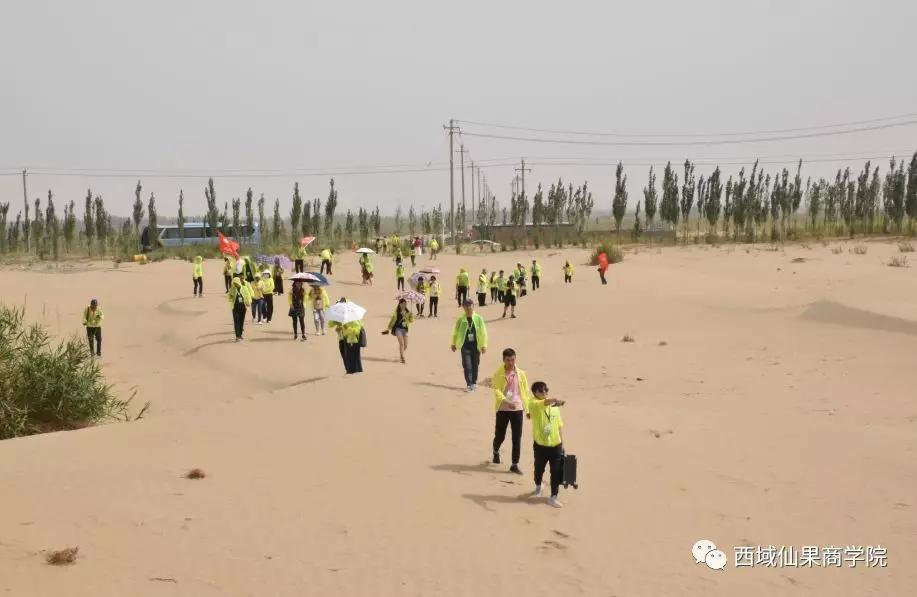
(537, 492)
(469, 389)
(474, 387)
(554, 502)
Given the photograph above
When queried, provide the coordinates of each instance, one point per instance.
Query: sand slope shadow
(439, 386)
(838, 314)
(200, 347)
(464, 469)
(484, 500)
(167, 308)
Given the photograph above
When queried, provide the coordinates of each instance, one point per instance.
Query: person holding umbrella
(461, 286)
(296, 300)
(240, 299)
(319, 300)
(470, 336)
(398, 325)
(348, 318)
(92, 321)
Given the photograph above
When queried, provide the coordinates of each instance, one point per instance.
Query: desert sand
(779, 411)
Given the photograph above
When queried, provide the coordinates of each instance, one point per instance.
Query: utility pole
(480, 192)
(522, 193)
(25, 201)
(452, 130)
(462, 167)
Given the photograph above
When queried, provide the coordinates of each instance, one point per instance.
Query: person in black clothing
(298, 309)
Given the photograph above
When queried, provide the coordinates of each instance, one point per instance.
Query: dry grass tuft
(62, 557)
(898, 261)
(799, 260)
(859, 250)
(906, 247)
(663, 343)
(195, 473)
(627, 338)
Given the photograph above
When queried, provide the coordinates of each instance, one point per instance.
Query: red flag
(306, 241)
(228, 246)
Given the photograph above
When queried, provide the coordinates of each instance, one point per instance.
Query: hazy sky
(119, 85)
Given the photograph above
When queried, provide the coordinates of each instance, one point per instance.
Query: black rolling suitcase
(569, 471)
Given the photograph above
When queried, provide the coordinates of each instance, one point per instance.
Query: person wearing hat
(470, 336)
(435, 291)
(92, 320)
(339, 330)
(240, 298)
(257, 300)
(461, 286)
(197, 275)
(267, 292)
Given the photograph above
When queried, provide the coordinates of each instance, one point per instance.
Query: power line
(728, 134)
(692, 143)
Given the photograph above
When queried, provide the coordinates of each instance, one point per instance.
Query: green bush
(612, 251)
(45, 387)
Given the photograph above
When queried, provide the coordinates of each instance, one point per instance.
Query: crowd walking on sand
(252, 290)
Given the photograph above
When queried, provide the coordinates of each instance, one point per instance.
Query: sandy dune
(781, 411)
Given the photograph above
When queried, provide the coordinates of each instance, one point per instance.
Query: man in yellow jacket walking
(470, 336)
(92, 319)
(511, 400)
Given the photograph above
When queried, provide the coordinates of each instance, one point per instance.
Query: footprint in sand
(545, 545)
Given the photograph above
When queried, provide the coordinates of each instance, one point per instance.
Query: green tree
(153, 223)
(398, 219)
(727, 208)
(237, 220)
(668, 208)
(894, 201)
(249, 214)
(330, 205)
(52, 225)
(213, 212)
(815, 201)
(262, 236)
(638, 229)
(89, 222)
(138, 210)
(316, 216)
(4, 233)
(307, 219)
(277, 225)
(70, 225)
(377, 221)
(701, 197)
(224, 218)
(412, 220)
(38, 231)
(908, 187)
(26, 228)
(714, 192)
(181, 216)
(101, 222)
(650, 199)
(687, 195)
(349, 226)
(363, 219)
(295, 214)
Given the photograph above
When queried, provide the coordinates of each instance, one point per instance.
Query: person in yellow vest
(548, 436)
(423, 289)
(277, 271)
(339, 330)
(228, 266)
(257, 301)
(511, 401)
(461, 286)
(366, 268)
(492, 284)
(434, 291)
(197, 276)
(469, 335)
(501, 287)
(267, 291)
(568, 272)
(354, 336)
(520, 280)
(434, 248)
(482, 288)
(299, 259)
(92, 320)
(326, 261)
(398, 325)
(536, 275)
(399, 274)
(319, 300)
(509, 298)
(240, 299)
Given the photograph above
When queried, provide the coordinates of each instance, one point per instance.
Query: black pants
(298, 266)
(434, 306)
(549, 455)
(461, 293)
(471, 358)
(299, 318)
(482, 298)
(228, 280)
(257, 309)
(268, 307)
(413, 257)
(493, 294)
(352, 362)
(500, 296)
(342, 346)
(536, 280)
(198, 286)
(278, 285)
(400, 283)
(568, 279)
(602, 276)
(238, 318)
(326, 265)
(513, 418)
(97, 334)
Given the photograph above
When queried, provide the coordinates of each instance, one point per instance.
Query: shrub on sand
(46, 387)
(905, 247)
(62, 557)
(898, 261)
